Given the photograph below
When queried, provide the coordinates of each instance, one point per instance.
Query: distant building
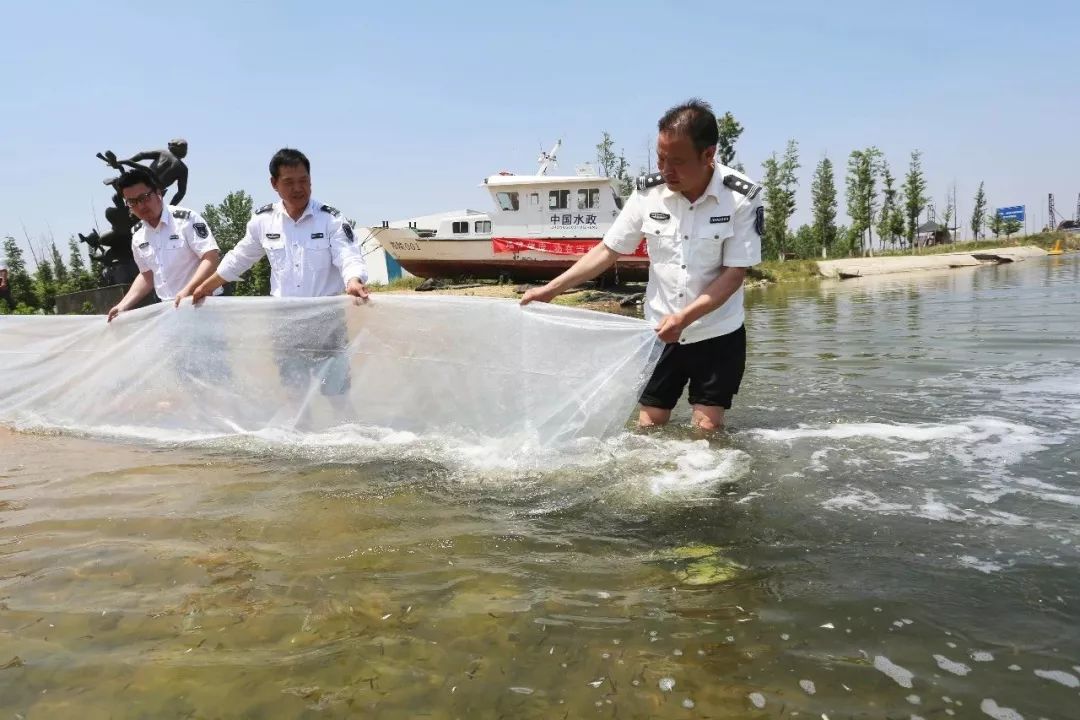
(930, 233)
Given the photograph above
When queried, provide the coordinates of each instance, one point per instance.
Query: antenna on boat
(548, 160)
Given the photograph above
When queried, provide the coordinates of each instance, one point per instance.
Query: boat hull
(446, 258)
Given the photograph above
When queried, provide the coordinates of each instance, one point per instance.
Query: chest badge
(144, 245)
(717, 219)
(273, 236)
(316, 236)
(659, 216)
(174, 237)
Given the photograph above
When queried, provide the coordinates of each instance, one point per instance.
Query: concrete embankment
(862, 267)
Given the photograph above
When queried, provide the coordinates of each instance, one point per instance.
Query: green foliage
(730, 130)
(60, 271)
(996, 224)
(890, 223)
(779, 183)
(978, 214)
(863, 169)
(45, 287)
(606, 159)
(228, 221)
(22, 285)
(1011, 226)
(823, 199)
(914, 195)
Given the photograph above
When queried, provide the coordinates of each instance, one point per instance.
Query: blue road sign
(1016, 212)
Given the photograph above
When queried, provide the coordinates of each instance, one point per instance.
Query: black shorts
(713, 367)
(316, 353)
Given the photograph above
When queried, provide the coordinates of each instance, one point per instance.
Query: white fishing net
(416, 364)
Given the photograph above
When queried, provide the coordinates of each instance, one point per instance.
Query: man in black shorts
(702, 223)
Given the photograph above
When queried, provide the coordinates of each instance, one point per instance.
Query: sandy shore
(861, 267)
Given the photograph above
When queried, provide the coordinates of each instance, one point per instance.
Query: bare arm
(591, 264)
(139, 289)
(207, 265)
(715, 294)
(3, 279)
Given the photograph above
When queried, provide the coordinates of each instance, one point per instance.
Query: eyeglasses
(138, 199)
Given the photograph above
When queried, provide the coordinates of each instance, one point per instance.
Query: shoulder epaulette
(181, 214)
(747, 188)
(644, 182)
(137, 226)
(265, 209)
(328, 209)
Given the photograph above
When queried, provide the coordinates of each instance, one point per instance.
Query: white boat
(540, 226)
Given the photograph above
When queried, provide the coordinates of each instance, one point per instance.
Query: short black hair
(288, 156)
(695, 119)
(136, 176)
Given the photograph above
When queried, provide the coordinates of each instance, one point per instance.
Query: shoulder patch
(745, 187)
(644, 182)
(328, 209)
(136, 227)
(181, 214)
(265, 209)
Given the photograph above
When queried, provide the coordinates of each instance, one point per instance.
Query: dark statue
(113, 248)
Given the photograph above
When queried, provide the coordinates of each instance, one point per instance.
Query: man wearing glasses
(173, 246)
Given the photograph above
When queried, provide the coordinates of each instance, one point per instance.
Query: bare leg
(708, 417)
(652, 416)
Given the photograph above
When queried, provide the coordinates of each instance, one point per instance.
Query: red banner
(553, 246)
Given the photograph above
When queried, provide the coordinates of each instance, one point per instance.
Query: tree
(780, 182)
(823, 200)
(804, 243)
(889, 207)
(624, 181)
(60, 271)
(80, 277)
(45, 286)
(606, 159)
(914, 195)
(978, 215)
(730, 130)
(996, 224)
(228, 221)
(1011, 226)
(861, 179)
(22, 286)
(950, 212)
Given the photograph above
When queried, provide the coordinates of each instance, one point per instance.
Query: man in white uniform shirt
(173, 246)
(312, 253)
(702, 223)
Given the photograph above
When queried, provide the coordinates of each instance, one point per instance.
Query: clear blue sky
(404, 107)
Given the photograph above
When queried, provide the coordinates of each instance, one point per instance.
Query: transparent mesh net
(451, 365)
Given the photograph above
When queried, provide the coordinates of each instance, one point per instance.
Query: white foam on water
(899, 675)
(956, 668)
(976, 439)
(983, 566)
(1064, 678)
(991, 708)
(757, 699)
(808, 686)
(982, 656)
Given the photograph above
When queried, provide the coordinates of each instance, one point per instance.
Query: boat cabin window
(461, 226)
(534, 199)
(588, 198)
(507, 200)
(558, 200)
(482, 227)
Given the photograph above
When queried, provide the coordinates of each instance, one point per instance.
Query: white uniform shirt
(173, 249)
(689, 244)
(314, 256)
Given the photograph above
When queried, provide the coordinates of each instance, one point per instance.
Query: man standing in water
(312, 253)
(173, 246)
(702, 222)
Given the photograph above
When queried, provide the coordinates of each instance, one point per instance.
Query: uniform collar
(164, 220)
(309, 210)
(714, 188)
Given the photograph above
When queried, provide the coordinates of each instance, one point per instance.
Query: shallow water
(890, 529)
